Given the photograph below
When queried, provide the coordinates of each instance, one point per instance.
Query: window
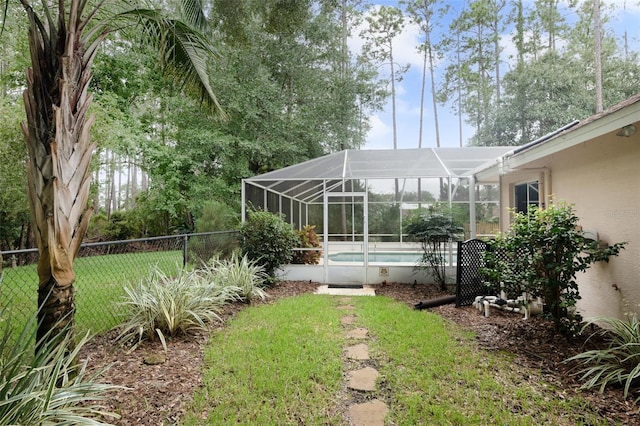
(527, 194)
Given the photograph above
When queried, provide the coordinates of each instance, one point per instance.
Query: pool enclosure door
(345, 231)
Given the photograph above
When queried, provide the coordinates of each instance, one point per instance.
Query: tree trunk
(57, 136)
(459, 87)
(134, 184)
(597, 54)
(96, 176)
(424, 83)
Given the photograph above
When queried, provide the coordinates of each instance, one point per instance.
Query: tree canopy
(293, 87)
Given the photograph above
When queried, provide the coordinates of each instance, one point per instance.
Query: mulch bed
(159, 394)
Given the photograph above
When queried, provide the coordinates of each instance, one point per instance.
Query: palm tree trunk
(57, 136)
(57, 129)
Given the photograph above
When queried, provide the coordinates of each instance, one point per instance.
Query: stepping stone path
(361, 380)
(357, 333)
(370, 413)
(359, 351)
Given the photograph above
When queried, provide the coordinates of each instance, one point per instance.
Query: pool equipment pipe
(522, 304)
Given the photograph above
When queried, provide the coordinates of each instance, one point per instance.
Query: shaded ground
(159, 394)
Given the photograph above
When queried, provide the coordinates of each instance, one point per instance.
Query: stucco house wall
(598, 173)
(601, 178)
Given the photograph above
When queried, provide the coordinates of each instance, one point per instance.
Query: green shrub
(98, 226)
(619, 363)
(434, 228)
(124, 225)
(48, 387)
(168, 306)
(268, 240)
(238, 274)
(216, 216)
(308, 239)
(541, 255)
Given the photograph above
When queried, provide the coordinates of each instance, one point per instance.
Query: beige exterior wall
(601, 178)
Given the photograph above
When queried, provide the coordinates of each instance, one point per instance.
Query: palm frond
(185, 53)
(193, 12)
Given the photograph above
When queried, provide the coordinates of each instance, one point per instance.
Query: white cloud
(380, 135)
(405, 47)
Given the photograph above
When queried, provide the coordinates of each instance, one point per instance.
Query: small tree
(541, 255)
(434, 228)
(268, 240)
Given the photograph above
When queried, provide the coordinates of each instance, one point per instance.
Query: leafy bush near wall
(268, 240)
(308, 239)
(545, 250)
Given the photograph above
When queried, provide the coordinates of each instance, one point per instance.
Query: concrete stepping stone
(363, 379)
(358, 333)
(348, 320)
(359, 351)
(370, 413)
(343, 291)
(346, 307)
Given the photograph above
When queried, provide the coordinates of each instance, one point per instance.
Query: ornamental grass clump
(238, 276)
(48, 387)
(168, 306)
(619, 363)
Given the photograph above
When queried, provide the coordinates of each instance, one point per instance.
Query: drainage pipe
(438, 301)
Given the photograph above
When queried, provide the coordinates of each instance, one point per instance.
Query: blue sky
(408, 91)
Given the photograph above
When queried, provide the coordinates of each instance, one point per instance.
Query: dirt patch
(159, 394)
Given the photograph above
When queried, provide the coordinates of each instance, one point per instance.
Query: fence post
(185, 242)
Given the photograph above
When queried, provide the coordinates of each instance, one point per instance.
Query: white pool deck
(366, 290)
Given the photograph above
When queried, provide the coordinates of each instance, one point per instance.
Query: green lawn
(438, 376)
(282, 364)
(274, 365)
(99, 282)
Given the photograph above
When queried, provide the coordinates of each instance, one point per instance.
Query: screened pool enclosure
(358, 201)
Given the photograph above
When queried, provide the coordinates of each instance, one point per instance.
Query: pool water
(382, 257)
(412, 257)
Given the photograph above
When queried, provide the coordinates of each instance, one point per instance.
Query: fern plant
(619, 363)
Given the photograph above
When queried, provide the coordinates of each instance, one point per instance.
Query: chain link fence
(102, 270)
